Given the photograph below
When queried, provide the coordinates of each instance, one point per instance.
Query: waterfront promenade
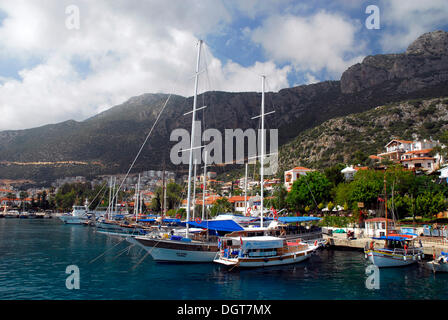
(339, 240)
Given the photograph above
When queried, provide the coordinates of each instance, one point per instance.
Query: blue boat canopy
(217, 225)
(394, 238)
(168, 220)
(444, 253)
(297, 219)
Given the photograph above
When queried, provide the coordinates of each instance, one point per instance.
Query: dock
(431, 245)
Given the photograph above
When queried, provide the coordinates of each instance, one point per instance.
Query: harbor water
(35, 253)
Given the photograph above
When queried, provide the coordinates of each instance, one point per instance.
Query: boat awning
(395, 238)
(167, 220)
(297, 219)
(263, 242)
(217, 225)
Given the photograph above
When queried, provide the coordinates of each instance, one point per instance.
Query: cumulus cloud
(122, 49)
(404, 21)
(316, 42)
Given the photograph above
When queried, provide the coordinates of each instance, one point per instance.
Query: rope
(106, 251)
(144, 142)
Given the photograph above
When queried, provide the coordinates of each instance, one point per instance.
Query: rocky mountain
(337, 140)
(108, 142)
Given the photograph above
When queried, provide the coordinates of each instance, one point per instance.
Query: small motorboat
(439, 264)
(398, 251)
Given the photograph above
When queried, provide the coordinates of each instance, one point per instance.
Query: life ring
(248, 211)
(315, 243)
(178, 216)
(371, 245)
(198, 220)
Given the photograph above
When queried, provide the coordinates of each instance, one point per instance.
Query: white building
(293, 174)
(376, 227)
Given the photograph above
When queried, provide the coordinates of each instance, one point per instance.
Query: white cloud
(407, 20)
(323, 41)
(132, 47)
(310, 78)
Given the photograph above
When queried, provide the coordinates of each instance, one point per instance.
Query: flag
(241, 240)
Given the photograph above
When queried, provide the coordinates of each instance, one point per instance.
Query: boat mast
(385, 200)
(205, 185)
(138, 196)
(194, 190)
(163, 206)
(116, 197)
(193, 118)
(263, 78)
(245, 191)
(110, 198)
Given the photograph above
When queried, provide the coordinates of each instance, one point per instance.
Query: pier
(431, 245)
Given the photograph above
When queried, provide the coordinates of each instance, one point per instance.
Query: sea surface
(35, 253)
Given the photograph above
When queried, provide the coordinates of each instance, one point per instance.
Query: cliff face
(424, 64)
(108, 142)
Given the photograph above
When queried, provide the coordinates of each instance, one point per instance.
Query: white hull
(289, 258)
(177, 251)
(73, 220)
(171, 255)
(384, 260)
(436, 266)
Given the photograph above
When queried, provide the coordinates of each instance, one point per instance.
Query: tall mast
(245, 191)
(138, 196)
(205, 185)
(263, 78)
(163, 206)
(110, 198)
(193, 118)
(135, 203)
(385, 200)
(115, 196)
(194, 191)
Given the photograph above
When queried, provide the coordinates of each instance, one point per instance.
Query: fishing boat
(397, 251)
(262, 251)
(439, 264)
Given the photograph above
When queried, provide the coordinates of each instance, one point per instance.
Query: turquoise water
(34, 255)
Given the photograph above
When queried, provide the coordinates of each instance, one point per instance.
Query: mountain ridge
(113, 137)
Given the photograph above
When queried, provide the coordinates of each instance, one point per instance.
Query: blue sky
(51, 72)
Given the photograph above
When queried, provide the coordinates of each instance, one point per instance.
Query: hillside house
(293, 174)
